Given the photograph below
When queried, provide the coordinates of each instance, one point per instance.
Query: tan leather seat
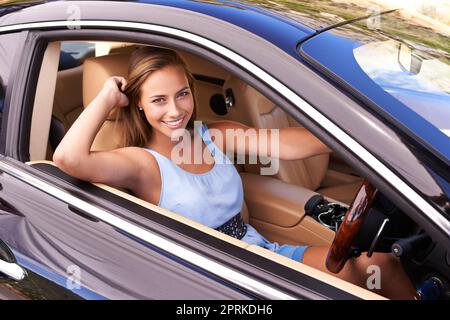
(68, 102)
(67, 105)
(96, 71)
(255, 110)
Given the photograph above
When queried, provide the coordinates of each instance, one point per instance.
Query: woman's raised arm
(73, 156)
(299, 143)
(286, 143)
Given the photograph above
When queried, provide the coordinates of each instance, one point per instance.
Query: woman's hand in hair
(112, 92)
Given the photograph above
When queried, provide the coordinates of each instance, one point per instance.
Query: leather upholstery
(96, 71)
(259, 112)
(255, 110)
(278, 211)
(265, 195)
(68, 103)
(344, 193)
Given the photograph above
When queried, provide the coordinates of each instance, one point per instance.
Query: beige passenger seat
(67, 105)
(96, 71)
(68, 102)
(257, 111)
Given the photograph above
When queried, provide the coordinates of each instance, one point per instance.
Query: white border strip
(152, 238)
(325, 123)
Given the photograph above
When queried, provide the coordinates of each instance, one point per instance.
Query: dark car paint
(343, 109)
(115, 264)
(282, 33)
(16, 6)
(48, 238)
(11, 119)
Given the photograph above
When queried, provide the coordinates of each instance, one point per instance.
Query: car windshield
(412, 64)
(398, 63)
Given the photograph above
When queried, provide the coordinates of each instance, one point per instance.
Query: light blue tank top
(210, 198)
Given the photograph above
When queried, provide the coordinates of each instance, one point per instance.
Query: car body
(78, 240)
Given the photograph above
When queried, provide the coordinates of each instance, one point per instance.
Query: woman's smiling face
(167, 100)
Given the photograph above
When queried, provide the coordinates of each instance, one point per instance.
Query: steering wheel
(340, 250)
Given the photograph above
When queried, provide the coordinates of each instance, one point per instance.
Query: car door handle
(12, 270)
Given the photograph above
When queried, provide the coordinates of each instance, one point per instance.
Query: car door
(52, 247)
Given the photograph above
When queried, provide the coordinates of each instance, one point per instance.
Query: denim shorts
(293, 252)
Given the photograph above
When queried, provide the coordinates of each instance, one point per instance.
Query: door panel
(61, 248)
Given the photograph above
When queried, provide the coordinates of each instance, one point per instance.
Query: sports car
(372, 84)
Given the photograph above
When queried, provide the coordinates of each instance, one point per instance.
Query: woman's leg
(394, 283)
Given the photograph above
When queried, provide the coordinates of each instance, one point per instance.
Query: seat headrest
(97, 69)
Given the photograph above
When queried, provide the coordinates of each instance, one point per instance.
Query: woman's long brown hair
(134, 126)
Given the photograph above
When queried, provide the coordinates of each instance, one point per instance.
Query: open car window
(214, 86)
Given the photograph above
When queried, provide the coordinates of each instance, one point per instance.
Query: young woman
(154, 105)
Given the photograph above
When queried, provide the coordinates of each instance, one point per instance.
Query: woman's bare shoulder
(225, 128)
(140, 156)
(147, 176)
